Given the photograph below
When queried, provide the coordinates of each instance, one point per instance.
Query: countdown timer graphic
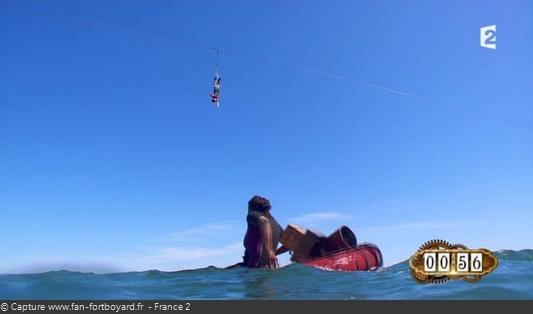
(438, 261)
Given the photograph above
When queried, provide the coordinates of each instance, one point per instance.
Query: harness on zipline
(215, 95)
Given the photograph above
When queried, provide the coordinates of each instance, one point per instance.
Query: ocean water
(513, 279)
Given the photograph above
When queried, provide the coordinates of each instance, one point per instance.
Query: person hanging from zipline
(215, 95)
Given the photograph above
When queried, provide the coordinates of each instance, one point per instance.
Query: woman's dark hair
(259, 204)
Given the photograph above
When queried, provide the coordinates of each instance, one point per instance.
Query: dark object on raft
(337, 252)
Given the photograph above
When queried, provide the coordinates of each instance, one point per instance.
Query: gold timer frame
(416, 263)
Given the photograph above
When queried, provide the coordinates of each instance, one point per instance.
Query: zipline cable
(204, 45)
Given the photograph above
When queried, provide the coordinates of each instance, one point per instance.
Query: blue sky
(112, 157)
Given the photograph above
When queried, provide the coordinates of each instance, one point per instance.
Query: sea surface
(513, 279)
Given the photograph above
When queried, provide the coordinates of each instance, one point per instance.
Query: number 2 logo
(487, 36)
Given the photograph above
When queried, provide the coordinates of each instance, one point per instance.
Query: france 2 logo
(487, 36)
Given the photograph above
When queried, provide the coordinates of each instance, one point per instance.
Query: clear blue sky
(112, 157)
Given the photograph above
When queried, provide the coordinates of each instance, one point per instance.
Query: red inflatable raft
(365, 256)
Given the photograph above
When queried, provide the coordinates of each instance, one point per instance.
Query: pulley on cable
(215, 95)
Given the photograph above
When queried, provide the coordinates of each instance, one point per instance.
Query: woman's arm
(266, 233)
